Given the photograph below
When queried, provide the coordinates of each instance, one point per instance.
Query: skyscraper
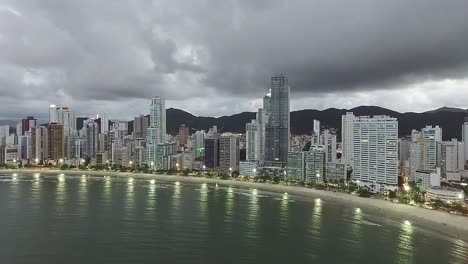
(465, 138)
(26, 124)
(56, 139)
(277, 142)
(328, 140)
(183, 135)
(104, 123)
(252, 144)
(315, 164)
(156, 130)
(212, 148)
(39, 146)
(316, 133)
(432, 137)
(229, 153)
(66, 116)
(375, 150)
(91, 132)
(347, 122)
(140, 127)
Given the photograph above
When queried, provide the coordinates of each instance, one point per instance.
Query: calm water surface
(63, 219)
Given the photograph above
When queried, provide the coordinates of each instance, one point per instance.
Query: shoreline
(452, 225)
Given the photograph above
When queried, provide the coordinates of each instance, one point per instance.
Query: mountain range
(450, 119)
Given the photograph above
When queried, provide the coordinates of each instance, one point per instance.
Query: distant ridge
(449, 118)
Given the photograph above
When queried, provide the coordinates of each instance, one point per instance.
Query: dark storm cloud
(114, 51)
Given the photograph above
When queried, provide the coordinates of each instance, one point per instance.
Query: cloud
(215, 57)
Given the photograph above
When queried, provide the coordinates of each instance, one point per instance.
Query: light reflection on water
(189, 227)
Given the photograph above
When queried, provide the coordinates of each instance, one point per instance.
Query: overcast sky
(215, 57)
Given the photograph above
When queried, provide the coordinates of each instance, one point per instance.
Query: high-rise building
(140, 127)
(328, 140)
(39, 146)
(263, 116)
(229, 153)
(451, 156)
(375, 150)
(183, 135)
(212, 149)
(465, 139)
(296, 168)
(432, 137)
(404, 147)
(104, 125)
(26, 124)
(277, 136)
(198, 144)
(163, 153)
(91, 132)
(4, 133)
(156, 130)
(315, 164)
(66, 116)
(252, 144)
(56, 140)
(316, 133)
(347, 130)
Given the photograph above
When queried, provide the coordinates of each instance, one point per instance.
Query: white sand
(439, 220)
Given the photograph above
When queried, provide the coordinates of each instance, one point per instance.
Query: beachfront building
(375, 150)
(296, 168)
(335, 172)
(252, 142)
(315, 164)
(277, 131)
(156, 132)
(445, 194)
(347, 130)
(248, 169)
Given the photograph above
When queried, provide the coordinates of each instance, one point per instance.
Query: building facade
(375, 150)
(277, 132)
(156, 130)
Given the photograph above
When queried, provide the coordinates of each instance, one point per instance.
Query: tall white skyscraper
(252, 144)
(465, 138)
(347, 136)
(375, 150)
(316, 133)
(156, 130)
(104, 123)
(432, 137)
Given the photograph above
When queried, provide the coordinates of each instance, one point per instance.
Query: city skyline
(121, 55)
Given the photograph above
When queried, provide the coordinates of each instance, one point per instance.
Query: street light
(407, 187)
(177, 165)
(60, 160)
(230, 172)
(37, 160)
(130, 162)
(152, 165)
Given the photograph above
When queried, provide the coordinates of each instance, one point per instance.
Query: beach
(452, 225)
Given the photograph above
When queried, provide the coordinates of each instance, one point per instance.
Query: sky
(214, 58)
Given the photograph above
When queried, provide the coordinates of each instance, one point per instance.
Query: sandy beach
(452, 225)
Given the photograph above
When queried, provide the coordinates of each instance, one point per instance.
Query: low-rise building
(426, 179)
(248, 169)
(445, 194)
